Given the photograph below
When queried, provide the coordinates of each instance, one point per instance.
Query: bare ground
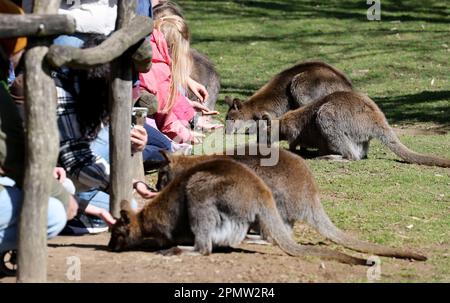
(247, 263)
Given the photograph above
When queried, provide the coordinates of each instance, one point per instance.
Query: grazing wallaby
(295, 192)
(342, 125)
(212, 204)
(203, 70)
(290, 89)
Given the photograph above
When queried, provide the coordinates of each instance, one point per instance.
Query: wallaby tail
(272, 226)
(388, 137)
(319, 220)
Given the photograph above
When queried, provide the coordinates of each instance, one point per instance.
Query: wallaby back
(204, 72)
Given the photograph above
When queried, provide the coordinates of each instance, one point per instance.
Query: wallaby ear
(237, 104)
(125, 216)
(228, 101)
(125, 205)
(167, 156)
(154, 164)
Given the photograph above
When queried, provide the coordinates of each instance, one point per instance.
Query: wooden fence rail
(124, 48)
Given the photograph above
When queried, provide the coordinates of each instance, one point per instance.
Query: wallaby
(212, 204)
(203, 70)
(290, 89)
(341, 125)
(295, 192)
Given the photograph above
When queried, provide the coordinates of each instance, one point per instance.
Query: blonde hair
(176, 33)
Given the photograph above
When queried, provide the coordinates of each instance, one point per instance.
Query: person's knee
(57, 217)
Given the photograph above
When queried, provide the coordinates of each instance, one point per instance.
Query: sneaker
(83, 224)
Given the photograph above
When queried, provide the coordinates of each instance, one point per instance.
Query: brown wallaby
(290, 89)
(203, 70)
(295, 192)
(212, 204)
(342, 124)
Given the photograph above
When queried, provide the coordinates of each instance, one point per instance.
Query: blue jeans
(144, 8)
(10, 205)
(100, 146)
(156, 141)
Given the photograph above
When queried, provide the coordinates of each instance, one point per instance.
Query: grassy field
(402, 62)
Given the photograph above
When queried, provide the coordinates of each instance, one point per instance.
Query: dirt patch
(248, 263)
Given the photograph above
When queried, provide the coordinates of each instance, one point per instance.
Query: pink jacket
(174, 124)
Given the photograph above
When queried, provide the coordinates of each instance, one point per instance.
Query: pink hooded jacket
(174, 124)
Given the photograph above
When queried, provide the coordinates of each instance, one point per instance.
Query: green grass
(402, 62)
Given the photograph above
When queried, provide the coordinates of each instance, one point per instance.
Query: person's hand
(72, 209)
(107, 217)
(138, 138)
(100, 213)
(202, 108)
(198, 89)
(144, 191)
(60, 174)
(206, 124)
(196, 137)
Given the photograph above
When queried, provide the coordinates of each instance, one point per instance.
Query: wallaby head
(165, 171)
(126, 232)
(272, 129)
(236, 114)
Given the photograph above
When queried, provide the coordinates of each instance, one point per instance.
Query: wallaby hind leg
(293, 146)
(202, 228)
(255, 239)
(204, 219)
(365, 149)
(337, 158)
(203, 244)
(340, 144)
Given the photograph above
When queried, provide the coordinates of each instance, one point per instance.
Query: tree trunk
(137, 165)
(110, 49)
(35, 25)
(41, 154)
(120, 146)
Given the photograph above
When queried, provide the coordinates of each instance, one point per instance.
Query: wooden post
(41, 154)
(113, 47)
(120, 146)
(137, 165)
(35, 25)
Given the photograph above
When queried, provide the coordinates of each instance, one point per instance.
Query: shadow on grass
(432, 11)
(418, 107)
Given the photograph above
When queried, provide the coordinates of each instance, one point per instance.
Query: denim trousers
(10, 205)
